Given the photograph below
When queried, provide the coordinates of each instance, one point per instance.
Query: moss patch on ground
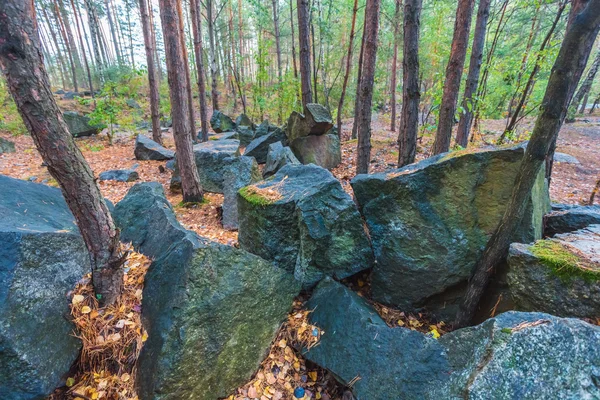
(564, 262)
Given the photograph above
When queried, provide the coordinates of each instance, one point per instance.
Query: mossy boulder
(302, 219)
(79, 125)
(244, 120)
(221, 122)
(316, 120)
(6, 146)
(264, 129)
(211, 312)
(430, 221)
(323, 150)
(570, 217)
(560, 276)
(42, 257)
(240, 172)
(245, 134)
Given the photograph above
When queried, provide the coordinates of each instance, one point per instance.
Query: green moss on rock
(563, 262)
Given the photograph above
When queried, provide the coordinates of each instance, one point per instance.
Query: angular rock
(259, 147)
(6, 146)
(323, 150)
(70, 95)
(568, 218)
(148, 149)
(559, 276)
(211, 159)
(240, 172)
(42, 257)
(392, 363)
(277, 157)
(245, 134)
(316, 120)
(132, 103)
(79, 125)
(211, 314)
(221, 122)
(523, 356)
(220, 136)
(302, 219)
(244, 120)
(565, 158)
(119, 175)
(430, 221)
(147, 220)
(264, 129)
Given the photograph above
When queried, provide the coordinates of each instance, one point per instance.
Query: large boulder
(430, 221)
(244, 120)
(211, 158)
(568, 218)
(302, 219)
(79, 125)
(148, 149)
(259, 147)
(42, 257)
(221, 122)
(6, 146)
(245, 134)
(323, 150)
(211, 312)
(522, 356)
(147, 220)
(560, 276)
(264, 129)
(391, 363)
(119, 175)
(277, 157)
(316, 120)
(242, 171)
(219, 136)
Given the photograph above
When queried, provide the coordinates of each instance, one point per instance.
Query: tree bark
(278, 50)
(293, 39)
(65, 38)
(177, 77)
(395, 64)
(113, 31)
(357, 107)
(22, 64)
(59, 55)
(587, 83)
(565, 74)
(213, 56)
(411, 96)
(464, 123)
(91, 12)
(366, 86)
(152, 78)
(348, 68)
(84, 56)
(458, 53)
(197, 31)
(303, 37)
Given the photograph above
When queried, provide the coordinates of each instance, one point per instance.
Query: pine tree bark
(65, 38)
(91, 12)
(566, 72)
(411, 95)
(152, 78)
(22, 64)
(293, 39)
(113, 31)
(348, 68)
(466, 118)
(585, 87)
(303, 37)
(61, 60)
(213, 55)
(357, 107)
(278, 50)
(458, 53)
(70, 36)
(395, 64)
(197, 32)
(84, 56)
(177, 77)
(363, 157)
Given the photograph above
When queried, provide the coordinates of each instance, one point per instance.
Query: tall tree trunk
(585, 87)
(464, 124)
(113, 31)
(188, 80)
(178, 79)
(366, 86)
(395, 64)
(91, 12)
(314, 58)
(153, 29)
(59, 55)
(197, 31)
(531, 81)
(213, 56)
(565, 74)
(83, 33)
(303, 37)
(70, 36)
(152, 78)
(458, 53)
(241, 40)
(85, 60)
(22, 64)
(357, 106)
(293, 39)
(63, 32)
(411, 96)
(348, 68)
(278, 50)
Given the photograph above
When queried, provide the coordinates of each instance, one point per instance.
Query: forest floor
(571, 183)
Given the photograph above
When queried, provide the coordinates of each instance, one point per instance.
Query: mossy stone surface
(221, 122)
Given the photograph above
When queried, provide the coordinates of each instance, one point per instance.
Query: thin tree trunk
(58, 52)
(197, 32)
(348, 68)
(363, 157)
(63, 32)
(90, 10)
(130, 33)
(395, 64)
(186, 70)
(464, 124)
(170, 16)
(153, 29)
(565, 74)
(584, 103)
(213, 60)
(595, 104)
(411, 96)
(531, 81)
(303, 37)
(70, 36)
(278, 50)
(85, 60)
(585, 87)
(293, 39)
(113, 31)
(357, 106)
(458, 53)
(152, 78)
(23, 66)
(314, 59)
(241, 40)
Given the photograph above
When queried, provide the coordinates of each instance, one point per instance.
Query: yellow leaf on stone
(400, 322)
(70, 382)
(144, 336)
(85, 310)
(434, 333)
